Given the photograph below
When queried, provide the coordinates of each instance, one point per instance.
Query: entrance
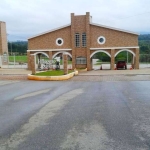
(100, 60)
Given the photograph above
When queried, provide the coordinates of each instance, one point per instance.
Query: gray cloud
(27, 18)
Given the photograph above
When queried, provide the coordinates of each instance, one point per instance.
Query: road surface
(74, 115)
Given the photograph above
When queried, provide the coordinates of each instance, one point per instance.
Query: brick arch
(62, 52)
(125, 50)
(100, 51)
(41, 53)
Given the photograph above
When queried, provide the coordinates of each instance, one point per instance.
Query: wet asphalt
(74, 115)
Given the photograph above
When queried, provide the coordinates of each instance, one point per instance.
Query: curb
(52, 78)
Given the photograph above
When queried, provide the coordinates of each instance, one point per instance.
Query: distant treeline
(20, 47)
(144, 43)
(144, 37)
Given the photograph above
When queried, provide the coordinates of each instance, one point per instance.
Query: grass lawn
(18, 59)
(52, 73)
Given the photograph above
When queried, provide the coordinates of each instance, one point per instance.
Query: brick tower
(3, 38)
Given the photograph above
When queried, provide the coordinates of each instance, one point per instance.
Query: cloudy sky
(26, 18)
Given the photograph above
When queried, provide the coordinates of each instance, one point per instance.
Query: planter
(52, 78)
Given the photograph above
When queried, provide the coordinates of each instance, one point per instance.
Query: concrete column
(65, 62)
(112, 59)
(137, 58)
(29, 60)
(33, 64)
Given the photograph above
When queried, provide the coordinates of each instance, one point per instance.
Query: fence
(13, 61)
(144, 58)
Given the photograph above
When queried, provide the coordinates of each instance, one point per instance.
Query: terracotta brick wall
(80, 24)
(113, 38)
(48, 41)
(3, 38)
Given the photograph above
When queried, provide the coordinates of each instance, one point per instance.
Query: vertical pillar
(73, 40)
(87, 25)
(137, 58)
(50, 55)
(112, 59)
(3, 39)
(29, 60)
(65, 62)
(50, 59)
(33, 64)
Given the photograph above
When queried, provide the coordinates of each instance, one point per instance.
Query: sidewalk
(143, 71)
(12, 71)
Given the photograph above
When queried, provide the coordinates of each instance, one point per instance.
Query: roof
(117, 29)
(50, 31)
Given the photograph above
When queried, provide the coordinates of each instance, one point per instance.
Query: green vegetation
(22, 59)
(52, 73)
(19, 47)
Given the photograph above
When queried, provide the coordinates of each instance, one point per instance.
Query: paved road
(74, 115)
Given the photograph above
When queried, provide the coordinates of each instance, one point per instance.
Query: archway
(125, 55)
(61, 59)
(100, 59)
(41, 58)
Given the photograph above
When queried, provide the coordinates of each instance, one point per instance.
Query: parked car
(121, 64)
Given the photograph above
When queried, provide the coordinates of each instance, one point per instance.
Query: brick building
(82, 39)
(3, 45)
(3, 38)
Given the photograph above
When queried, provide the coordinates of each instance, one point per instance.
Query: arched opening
(127, 57)
(42, 60)
(59, 57)
(100, 60)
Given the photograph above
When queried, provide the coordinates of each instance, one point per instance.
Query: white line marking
(31, 94)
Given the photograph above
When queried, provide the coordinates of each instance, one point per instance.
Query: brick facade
(116, 40)
(3, 38)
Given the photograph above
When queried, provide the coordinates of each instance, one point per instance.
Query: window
(80, 60)
(77, 40)
(101, 40)
(84, 40)
(59, 41)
